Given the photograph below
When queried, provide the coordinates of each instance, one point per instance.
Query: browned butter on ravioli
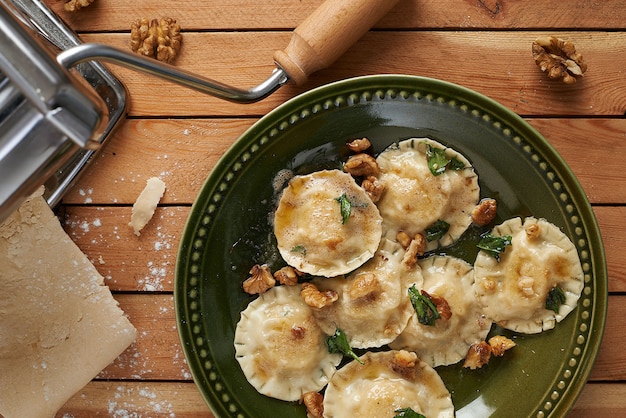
(326, 224)
(514, 289)
(385, 383)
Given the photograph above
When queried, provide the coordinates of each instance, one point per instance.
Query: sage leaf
(556, 298)
(494, 245)
(338, 343)
(345, 207)
(439, 162)
(424, 307)
(407, 413)
(437, 230)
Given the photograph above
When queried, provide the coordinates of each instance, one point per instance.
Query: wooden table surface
(178, 135)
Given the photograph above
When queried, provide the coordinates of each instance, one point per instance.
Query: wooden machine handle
(327, 33)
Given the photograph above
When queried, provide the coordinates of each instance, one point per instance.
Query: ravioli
(280, 348)
(514, 290)
(447, 341)
(387, 382)
(414, 198)
(372, 308)
(325, 224)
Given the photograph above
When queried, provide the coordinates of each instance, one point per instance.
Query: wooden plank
(157, 354)
(243, 59)
(600, 400)
(168, 399)
(136, 399)
(589, 146)
(611, 362)
(128, 262)
(613, 230)
(147, 262)
(116, 15)
(180, 152)
(183, 152)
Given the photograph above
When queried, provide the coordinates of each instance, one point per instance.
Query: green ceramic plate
(228, 231)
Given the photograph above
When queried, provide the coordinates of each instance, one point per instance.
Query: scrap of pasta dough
(146, 204)
(514, 290)
(326, 224)
(387, 382)
(414, 198)
(59, 324)
(447, 341)
(281, 350)
(372, 307)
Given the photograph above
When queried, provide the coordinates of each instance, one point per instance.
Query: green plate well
(229, 230)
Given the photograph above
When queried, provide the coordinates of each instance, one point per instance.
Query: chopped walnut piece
(499, 344)
(287, 276)
(558, 58)
(374, 188)
(364, 285)
(160, 39)
(297, 333)
(443, 308)
(314, 402)
(478, 355)
(484, 212)
(404, 363)
(359, 145)
(416, 247)
(403, 239)
(361, 165)
(533, 231)
(260, 280)
(313, 297)
(75, 5)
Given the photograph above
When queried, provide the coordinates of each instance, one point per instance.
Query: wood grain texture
(179, 135)
(156, 357)
(183, 400)
(611, 361)
(137, 399)
(128, 262)
(500, 64)
(182, 153)
(116, 15)
(589, 147)
(147, 262)
(600, 400)
(613, 230)
(157, 354)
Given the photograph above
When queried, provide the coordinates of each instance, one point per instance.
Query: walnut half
(314, 402)
(315, 298)
(484, 212)
(558, 59)
(160, 39)
(75, 5)
(361, 165)
(479, 353)
(260, 280)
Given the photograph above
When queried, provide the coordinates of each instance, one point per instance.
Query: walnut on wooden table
(156, 38)
(75, 5)
(558, 59)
